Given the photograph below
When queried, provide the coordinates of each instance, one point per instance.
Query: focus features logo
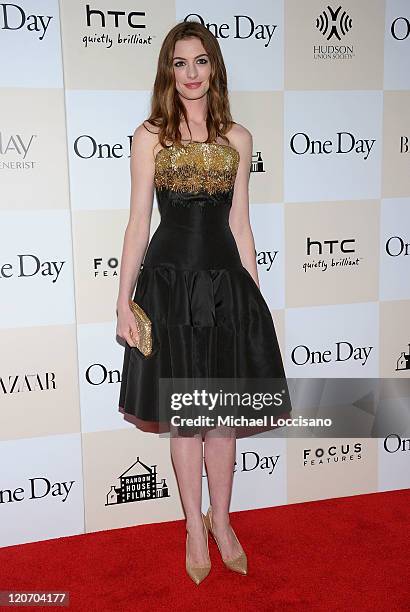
(337, 453)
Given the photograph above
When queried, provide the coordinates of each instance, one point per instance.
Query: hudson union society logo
(333, 24)
(137, 483)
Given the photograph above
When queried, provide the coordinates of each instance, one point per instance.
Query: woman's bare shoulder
(145, 136)
(153, 129)
(239, 136)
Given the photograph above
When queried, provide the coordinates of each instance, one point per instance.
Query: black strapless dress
(209, 318)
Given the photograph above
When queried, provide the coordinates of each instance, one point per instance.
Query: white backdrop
(329, 110)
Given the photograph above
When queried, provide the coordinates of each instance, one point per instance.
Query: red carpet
(347, 554)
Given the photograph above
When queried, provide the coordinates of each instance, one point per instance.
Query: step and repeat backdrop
(325, 90)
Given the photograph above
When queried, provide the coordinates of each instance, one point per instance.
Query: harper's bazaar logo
(23, 383)
(326, 255)
(333, 24)
(38, 488)
(342, 352)
(138, 483)
(336, 453)
(243, 27)
(29, 265)
(14, 17)
(344, 142)
(250, 461)
(101, 19)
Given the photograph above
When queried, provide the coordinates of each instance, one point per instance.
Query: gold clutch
(144, 326)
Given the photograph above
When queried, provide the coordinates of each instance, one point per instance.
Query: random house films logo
(403, 362)
(138, 483)
(334, 24)
(257, 163)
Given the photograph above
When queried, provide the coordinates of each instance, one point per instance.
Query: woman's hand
(126, 325)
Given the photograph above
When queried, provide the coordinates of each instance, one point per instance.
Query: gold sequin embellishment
(196, 166)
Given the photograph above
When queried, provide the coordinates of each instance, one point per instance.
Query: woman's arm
(138, 228)
(239, 215)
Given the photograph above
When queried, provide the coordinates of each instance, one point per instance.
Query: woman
(199, 282)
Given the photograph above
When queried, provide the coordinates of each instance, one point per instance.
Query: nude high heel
(240, 563)
(198, 573)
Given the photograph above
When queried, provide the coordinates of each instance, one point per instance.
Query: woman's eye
(202, 60)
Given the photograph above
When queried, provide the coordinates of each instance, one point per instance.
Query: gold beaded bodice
(196, 167)
(194, 187)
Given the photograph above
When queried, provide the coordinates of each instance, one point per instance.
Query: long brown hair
(166, 106)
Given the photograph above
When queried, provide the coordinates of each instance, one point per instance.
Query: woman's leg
(220, 447)
(187, 457)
